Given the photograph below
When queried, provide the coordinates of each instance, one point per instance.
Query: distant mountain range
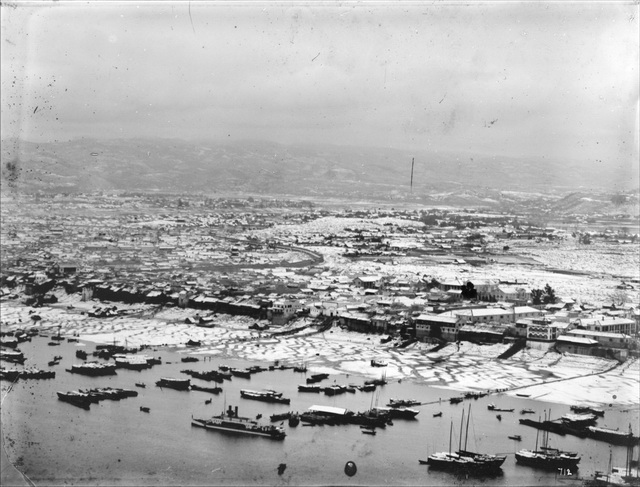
(258, 167)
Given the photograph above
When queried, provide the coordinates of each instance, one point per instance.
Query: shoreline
(546, 375)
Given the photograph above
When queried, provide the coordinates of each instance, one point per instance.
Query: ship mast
(461, 425)
(466, 435)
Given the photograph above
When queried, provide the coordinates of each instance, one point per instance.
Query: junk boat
(317, 378)
(335, 389)
(77, 398)
(398, 413)
(548, 458)
(93, 369)
(190, 358)
(612, 436)
(211, 375)
(586, 410)
(527, 411)
(13, 374)
(178, 384)
(438, 414)
(212, 390)
(132, 362)
(103, 393)
(265, 396)
(457, 463)
(579, 420)
(401, 403)
(515, 437)
(493, 407)
(232, 423)
(489, 462)
(280, 417)
(309, 388)
(243, 373)
(16, 356)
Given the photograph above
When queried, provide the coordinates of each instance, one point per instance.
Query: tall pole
(412, 161)
(461, 425)
(466, 436)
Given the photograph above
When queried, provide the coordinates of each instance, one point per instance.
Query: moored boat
(280, 417)
(586, 410)
(483, 462)
(14, 356)
(547, 458)
(13, 374)
(243, 373)
(93, 369)
(76, 398)
(579, 420)
(265, 396)
(211, 390)
(230, 422)
(210, 375)
(401, 403)
(178, 384)
(317, 378)
(398, 412)
(612, 436)
(493, 407)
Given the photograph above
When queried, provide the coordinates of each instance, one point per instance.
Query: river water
(115, 443)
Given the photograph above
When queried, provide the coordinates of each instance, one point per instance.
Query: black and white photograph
(318, 243)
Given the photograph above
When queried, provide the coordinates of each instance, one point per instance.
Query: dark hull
(492, 461)
(305, 388)
(240, 428)
(179, 385)
(77, 400)
(265, 398)
(467, 466)
(93, 371)
(211, 390)
(548, 462)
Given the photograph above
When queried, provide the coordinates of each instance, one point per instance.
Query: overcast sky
(522, 79)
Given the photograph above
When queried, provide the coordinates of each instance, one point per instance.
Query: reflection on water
(116, 443)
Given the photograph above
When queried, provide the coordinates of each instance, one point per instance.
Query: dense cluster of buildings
(215, 260)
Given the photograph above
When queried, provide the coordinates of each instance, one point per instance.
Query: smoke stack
(236, 411)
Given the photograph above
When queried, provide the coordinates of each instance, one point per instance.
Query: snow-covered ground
(560, 378)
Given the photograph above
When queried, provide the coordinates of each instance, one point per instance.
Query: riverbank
(561, 378)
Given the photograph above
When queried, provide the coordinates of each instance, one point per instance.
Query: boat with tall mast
(464, 461)
(492, 462)
(546, 457)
